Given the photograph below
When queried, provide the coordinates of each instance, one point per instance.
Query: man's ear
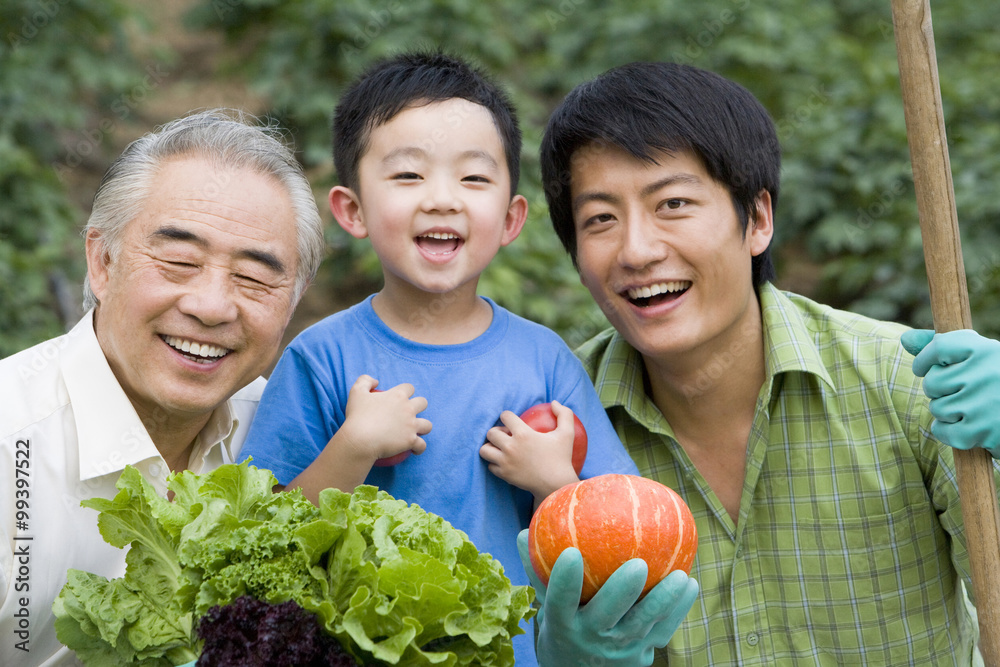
(346, 208)
(98, 261)
(761, 229)
(517, 213)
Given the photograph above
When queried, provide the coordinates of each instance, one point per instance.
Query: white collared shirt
(67, 430)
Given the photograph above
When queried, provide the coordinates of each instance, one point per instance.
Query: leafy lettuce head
(393, 583)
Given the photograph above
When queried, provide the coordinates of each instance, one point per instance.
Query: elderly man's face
(195, 306)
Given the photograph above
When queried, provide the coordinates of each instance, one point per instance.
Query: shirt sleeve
(605, 452)
(296, 417)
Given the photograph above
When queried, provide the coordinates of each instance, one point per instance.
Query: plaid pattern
(848, 549)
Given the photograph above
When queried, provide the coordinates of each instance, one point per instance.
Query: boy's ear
(517, 213)
(761, 224)
(346, 208)
(97, 263)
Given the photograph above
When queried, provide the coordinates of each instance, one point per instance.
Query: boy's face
(662, 252)
(434, 197)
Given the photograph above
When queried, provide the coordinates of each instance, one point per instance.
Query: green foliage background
(826, 70)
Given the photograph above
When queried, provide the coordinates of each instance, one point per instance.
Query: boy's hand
(533, 461)
(380, 424)
(961, 372)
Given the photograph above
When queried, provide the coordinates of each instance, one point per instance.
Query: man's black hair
(413, 79)
(647, 107)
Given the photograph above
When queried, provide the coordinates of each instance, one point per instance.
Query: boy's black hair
(646, 107)
(413, 79)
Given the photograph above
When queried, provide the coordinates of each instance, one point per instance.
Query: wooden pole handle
(918, 76)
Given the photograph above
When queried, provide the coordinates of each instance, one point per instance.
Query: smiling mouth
(439, 243)
(651, 295)
(203, 353)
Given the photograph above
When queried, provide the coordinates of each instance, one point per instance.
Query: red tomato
(541, 418)
(391, 460)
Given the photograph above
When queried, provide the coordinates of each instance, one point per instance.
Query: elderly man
(203, 237)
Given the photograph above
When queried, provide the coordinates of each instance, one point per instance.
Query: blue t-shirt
(513, 365)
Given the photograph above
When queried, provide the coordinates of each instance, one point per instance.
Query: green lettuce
(393, 583)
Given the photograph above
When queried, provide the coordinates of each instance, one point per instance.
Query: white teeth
(444, 236)
(195, 349)
(659, 288)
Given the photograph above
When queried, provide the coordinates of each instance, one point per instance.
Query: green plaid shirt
(849, 548)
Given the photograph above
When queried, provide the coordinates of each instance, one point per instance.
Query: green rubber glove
(609, 630)
(961, 372)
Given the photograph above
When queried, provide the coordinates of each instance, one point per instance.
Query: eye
(598, 219)
(405, 176)
(476, 179)
(179, 264)
(674, 204)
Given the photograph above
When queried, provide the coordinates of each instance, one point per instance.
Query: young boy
(427, 151)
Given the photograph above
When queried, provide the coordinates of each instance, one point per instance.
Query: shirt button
(154, 470)
(739, 553)
(752, 639)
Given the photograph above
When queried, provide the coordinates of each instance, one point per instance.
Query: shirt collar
(109, 430)
(788, 342)
(788, 347)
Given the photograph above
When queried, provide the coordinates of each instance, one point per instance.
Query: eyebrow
(417, 152)
(673, 179)
(268, 259)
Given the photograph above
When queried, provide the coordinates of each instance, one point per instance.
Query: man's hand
(611, 629)
(961, 372)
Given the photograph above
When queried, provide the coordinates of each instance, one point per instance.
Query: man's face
(662, 252)
(195, 306)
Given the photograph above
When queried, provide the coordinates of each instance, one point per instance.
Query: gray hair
(233, 139)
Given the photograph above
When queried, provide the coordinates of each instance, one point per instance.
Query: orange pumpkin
(612, 519)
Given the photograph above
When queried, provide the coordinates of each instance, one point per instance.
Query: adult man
(202, 238)
(828, 516)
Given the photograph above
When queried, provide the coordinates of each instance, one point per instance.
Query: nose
(210, 298)
(640, 246)
(441, 196)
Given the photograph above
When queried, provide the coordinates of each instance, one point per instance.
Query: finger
(564, 418)
(490, 453)
(947, 410)
(522, 551)
(364, 383)
(954, 434)
(617, 595)
(419, 403)
(945, 349)
(916, 340)
(562, 597)
(942, 381)
(667, 608)
(424, 426)
(511, 420)
(419, 446)
(498, 436)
